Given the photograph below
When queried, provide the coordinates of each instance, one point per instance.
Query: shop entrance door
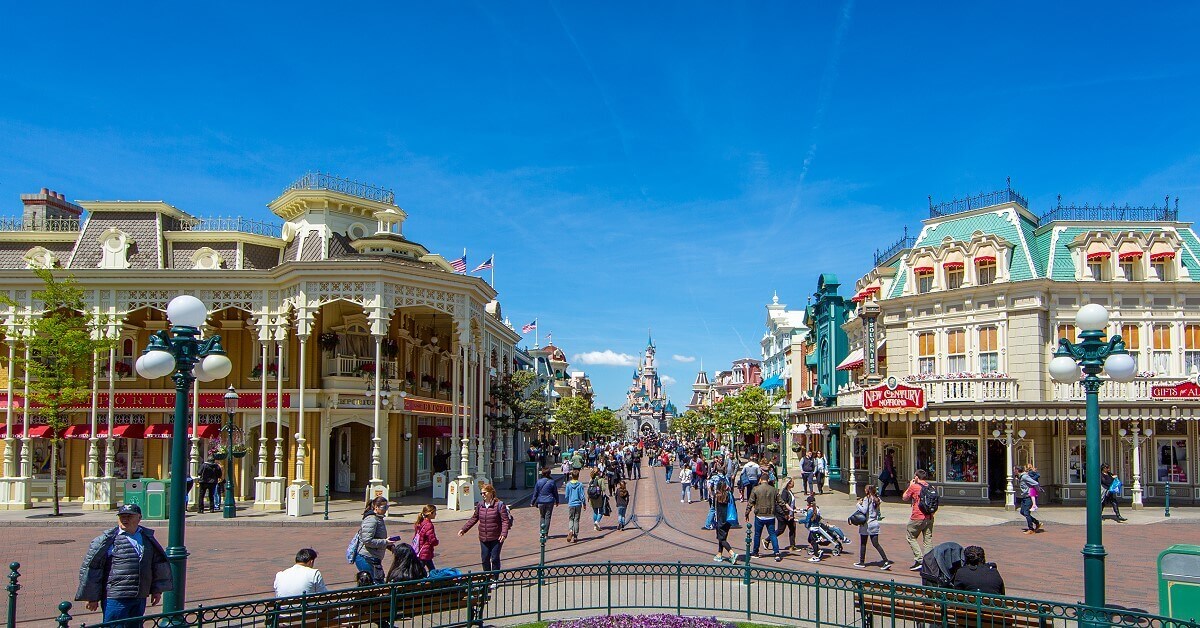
(997, 473)
(341, 464)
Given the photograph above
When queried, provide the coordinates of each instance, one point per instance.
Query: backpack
(593, 491)
(1116, 486)
(352, 548)
(928, 500)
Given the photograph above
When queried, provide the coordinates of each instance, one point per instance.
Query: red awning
(159, 430)
(40, 431)
(923, 270)
(433, 431)
(1130, 255)
(18, 429)
(1161, 256)
(985, 259)
(1098, 255)
(862, 296)
(80, 431)
(129, 431)
(206, 431)
(873, 289)
(952, 265)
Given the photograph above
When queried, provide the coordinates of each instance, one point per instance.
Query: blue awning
(771, 382)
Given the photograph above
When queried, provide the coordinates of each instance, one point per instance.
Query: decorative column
(26, 444)
(280, 345)
(853, 491)
(110, 441)
(301, 497)
(97, 488)
(1009, 489)
(194, 440)
(460, 491)
(1135, 437)
(268, 490)
(377, 485)
(14, 488)
(483, 458)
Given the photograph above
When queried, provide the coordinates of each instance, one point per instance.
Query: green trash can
(135, 492)
(707, 452)
(1179, 582)
(531, 474)
(158, 500)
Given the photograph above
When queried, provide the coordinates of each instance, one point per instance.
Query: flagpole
(493, 269)
(536, 338)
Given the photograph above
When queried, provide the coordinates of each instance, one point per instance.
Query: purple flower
(642, 621)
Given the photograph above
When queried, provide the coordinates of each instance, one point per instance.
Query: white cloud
(608, 357)
(668, 380)
(683, 358)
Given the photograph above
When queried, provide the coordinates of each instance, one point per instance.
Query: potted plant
(366, 368)
(773, 447)
(239, 450)
(410, 378)
(328, 340)
(444, 385)
(390, 348)
(797, 448)
(219, 453)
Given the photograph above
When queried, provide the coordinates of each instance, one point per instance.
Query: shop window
(1076, 461)
(956, 351)
(1191, 348)
(1171, 460)
(1131, 334)
(1160, 359)
(986, 272)
(962, 459)
(925, 455)
(926, 353)
(989, 354)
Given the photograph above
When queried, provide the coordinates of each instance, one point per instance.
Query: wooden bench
(385, 604)
(951, 609)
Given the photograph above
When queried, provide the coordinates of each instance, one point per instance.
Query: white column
(1009, 491)
(1137, 466)
(110, 442)
(280, 341)
(376, 480)
(26, 445)
(262, 419)
(299, 434)
(93, 459)
(853, 485)
(10, 452)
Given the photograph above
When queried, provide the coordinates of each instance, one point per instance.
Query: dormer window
(924, 275)
(1128, 263)
(114, 249)
(1161, 264)
(985, 270)
(206, 259)
(40, 257)
(1096, 265)
(954, 274)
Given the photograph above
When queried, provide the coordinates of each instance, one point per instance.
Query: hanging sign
(892, 397)
(1182, 390)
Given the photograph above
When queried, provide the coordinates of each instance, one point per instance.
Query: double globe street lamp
(186, 358)
(1096, 356)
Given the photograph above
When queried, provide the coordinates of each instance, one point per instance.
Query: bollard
(64, 617)
(13, 587)
(327, 502)
(1167, 494)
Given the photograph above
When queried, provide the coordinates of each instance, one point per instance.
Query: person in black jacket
(210, 475)
(122, 567)
(977, 575)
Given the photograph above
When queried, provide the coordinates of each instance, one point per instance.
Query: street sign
(1182, 390)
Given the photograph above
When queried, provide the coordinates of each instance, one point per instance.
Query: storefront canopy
(433, 431)
(35, 431)
(771, 383)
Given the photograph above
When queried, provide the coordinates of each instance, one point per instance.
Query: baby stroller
(822, 534)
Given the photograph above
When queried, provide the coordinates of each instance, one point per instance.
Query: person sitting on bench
(977, 575)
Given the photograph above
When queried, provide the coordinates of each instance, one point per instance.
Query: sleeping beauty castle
(647, 406)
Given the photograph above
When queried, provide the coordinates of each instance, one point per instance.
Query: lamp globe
(199, 373)
(1064, 370)
(156, 364)
(217, 365)
(1092, 317)
(1121, 367)
(187, 311)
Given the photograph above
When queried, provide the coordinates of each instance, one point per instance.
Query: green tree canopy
(526, 409)
(605, 423)
(573, 416)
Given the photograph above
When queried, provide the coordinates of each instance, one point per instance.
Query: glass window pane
(925, 455)
(962, 460)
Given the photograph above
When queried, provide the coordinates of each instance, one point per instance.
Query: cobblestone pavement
(230, 562)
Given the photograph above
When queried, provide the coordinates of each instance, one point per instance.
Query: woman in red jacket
(493, 518)
(424, 536)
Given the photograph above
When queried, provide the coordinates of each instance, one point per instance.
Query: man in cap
(123, 566)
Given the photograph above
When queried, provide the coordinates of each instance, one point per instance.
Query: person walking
(920, 525)
(665, 459)
(869, 507)
(821, 466)
(685, 484)
(763, 499)
(425, 537)
(788, 519)
(545, 497)
(750, 474)
(1026, 484)
(722, 499)
(300, 578)
(595, 495)
(373, 539)
(122, 567)
(808, 466)
(887, 477)
(210, 475)
(494, 520)
(575, 500)
(621, 496)
(1111, 496)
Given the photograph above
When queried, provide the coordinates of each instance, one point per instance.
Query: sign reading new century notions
(892, 397)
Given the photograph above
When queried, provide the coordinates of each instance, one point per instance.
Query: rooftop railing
(19, 223)
(905, 242)
(221, 223)
(1113, 213)
(324, 181)
(985, 199)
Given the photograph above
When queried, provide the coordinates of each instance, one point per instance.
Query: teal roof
(1191, 249)
(898, 284)
(1064, 263)
(996, 223)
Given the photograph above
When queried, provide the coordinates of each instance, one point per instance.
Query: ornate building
(357, 352)
(646, 402)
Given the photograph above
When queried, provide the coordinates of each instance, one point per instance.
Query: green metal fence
(732, 592)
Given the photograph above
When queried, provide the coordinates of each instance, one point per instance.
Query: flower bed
(641, 621)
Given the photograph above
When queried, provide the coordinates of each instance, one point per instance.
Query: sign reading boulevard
(893, 397)
(1182, 390)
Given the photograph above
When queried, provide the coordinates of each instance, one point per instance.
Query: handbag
(857, 518)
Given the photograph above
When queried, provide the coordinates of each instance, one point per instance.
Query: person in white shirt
(300, 578)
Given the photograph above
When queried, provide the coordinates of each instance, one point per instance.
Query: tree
(689, 423)
(524, 409)
(62, 343)
(604, 422)
(751, 410)
(572, 416)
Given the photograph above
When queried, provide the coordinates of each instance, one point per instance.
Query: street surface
(232, 562)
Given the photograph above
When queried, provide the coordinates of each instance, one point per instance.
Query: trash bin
(135, 493)
(1179, 582)
(158, 500)
(531, 474)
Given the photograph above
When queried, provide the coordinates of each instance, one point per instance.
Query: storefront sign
(428, 406)
(134, 400)
(1182, 390)
(893, 397)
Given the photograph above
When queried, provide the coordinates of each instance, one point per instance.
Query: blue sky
(632, 165)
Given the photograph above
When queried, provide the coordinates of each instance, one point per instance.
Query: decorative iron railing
(728, 592)
(985, 199)
(1113, 213)
(18, 223)
(324, 181)
(237, 223)
(905, 242)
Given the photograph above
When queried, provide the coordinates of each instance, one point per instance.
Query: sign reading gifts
(893, 397)
(1182, 390)
(134, 400)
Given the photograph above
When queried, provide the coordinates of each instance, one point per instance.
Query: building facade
(647, 405)
(357, 353)
(784, 347)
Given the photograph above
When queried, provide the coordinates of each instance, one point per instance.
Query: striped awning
(1098, 255)
(1162, 256)
(985, 259)
(953, 265)
(1130, 255)
(923, 270)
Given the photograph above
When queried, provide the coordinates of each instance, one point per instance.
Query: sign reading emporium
(1182, 390)
(892, 397)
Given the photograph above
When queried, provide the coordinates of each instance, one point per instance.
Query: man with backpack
(925, 502)
(210, 474)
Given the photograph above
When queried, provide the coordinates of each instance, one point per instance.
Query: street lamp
(1136, 437)
(785, 409)
(853, 488)
(229, 511)
(179, 351)
(1095, 356)
(1006, 438)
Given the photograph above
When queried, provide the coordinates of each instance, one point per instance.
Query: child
(425, 537)
(1033, 490)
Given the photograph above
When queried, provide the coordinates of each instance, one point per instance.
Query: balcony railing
(905, 242)
(237, 223)
(324, 181)
(18, 223)
(355, 366)
(960, 389)
(985, 199)
(1137, 390)
(850, 396)
(1113, 213)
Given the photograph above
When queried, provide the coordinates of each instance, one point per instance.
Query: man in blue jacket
(123, 566)
(545, 497)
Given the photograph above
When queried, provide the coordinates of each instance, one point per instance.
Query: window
(1159, 270)
(1066, 330)
(989, 355)
(924, 282)
(987, 272)
(1160, 360)
(954, 277)
(925, 455)
(1129, 270)
(1191, 348)
(1096, 270)
(956, 351)
(1170, 460)
(1130, 333)
(926, 352)
(962, 459)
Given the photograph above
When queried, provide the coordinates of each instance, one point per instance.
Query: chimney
(47, 204)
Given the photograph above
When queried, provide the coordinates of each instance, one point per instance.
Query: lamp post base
(268, 493)
(14, 494)
(99, 493)
(377, 489)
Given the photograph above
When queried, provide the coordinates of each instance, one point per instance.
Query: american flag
(459, 265)
(525, 329)
(484, 266)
